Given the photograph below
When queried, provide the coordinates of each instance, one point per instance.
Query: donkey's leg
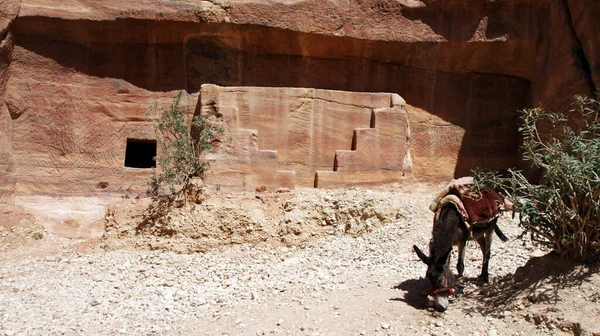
(485, 243)
(460, 266)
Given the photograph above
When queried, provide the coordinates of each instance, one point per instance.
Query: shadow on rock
(539, 280)
(415, 293)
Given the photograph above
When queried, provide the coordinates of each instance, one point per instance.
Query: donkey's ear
(421, 255)
(442, 260)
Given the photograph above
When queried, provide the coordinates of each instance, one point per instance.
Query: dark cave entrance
(140, 153)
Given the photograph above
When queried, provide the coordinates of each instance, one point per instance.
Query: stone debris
(365, 281)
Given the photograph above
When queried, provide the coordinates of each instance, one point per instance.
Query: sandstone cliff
(77, 76)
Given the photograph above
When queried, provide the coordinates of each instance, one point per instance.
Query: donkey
(449, 230)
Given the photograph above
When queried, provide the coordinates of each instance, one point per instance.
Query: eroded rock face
(77, 77)
(8, 12)
(586, 27)
(288, 137)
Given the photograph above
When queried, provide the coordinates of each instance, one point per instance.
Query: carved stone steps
(379, 155)
(301, 131)
(250, 167)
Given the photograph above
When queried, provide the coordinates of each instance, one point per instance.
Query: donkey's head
(440, 277)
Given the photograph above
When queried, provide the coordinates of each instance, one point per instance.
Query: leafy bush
(562, 211)
(180, 160)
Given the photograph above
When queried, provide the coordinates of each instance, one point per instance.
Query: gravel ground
(334, 285)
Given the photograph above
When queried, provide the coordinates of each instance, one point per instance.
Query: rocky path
(368, 285)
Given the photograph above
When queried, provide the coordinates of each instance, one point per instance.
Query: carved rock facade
(77, 78)
(288, 137)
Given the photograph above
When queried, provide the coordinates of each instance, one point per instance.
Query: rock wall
(77, 77)
(8, 12)
(288, 137)
(583, 18)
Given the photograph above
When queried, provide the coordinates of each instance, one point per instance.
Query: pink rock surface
(77, 78)
(279, 137)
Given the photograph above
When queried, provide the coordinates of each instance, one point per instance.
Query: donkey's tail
(500, 234)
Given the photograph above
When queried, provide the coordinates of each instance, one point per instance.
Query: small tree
(562, 211)
(180, 159)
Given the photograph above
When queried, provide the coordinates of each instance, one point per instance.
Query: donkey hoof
(483, 279)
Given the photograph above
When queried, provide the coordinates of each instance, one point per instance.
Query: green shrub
(181, 148)
(562, 211)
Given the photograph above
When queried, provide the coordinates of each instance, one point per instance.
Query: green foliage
(562, 211)
(180, 158)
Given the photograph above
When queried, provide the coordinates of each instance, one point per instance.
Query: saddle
(476, 208)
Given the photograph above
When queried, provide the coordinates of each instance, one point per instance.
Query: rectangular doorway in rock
(140, 153)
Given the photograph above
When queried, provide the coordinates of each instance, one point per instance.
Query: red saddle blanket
(482, 206)
(476, 208)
